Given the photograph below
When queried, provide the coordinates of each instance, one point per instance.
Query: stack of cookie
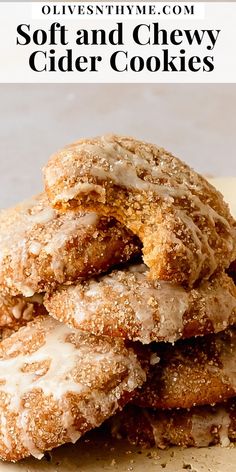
(121, 266)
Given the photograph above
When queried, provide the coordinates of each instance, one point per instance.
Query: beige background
(196, 122)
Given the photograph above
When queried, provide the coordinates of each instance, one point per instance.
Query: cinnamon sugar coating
(17, 311)
(126, 303)
(57, 383)
(183, 222)
(198, 427)
(40, 248)
(197, 371)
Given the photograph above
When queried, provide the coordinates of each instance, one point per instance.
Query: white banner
(123, 42)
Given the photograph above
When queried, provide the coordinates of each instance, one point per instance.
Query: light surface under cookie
(41, 248)
(199, 427)
(57, 383)
(126, 303)
(185, 227)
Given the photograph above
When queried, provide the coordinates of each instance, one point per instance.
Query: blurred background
(195, 122)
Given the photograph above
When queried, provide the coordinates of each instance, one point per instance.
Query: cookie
(126, 303)
(183, 222)
(197, 371)
(57, 383)
(18, 310)
(40, 248)
(198, 427)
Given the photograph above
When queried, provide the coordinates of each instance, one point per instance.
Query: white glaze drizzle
(157, 307)
(68, 230)
(31, 232)
(64, 357)
(120, 167)
(161, 304)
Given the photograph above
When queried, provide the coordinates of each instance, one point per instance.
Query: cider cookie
(40, 247)
(184, 224)
(57, 383)
(197, 371)
(126, 303)
(198, 427)
(18, 311)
